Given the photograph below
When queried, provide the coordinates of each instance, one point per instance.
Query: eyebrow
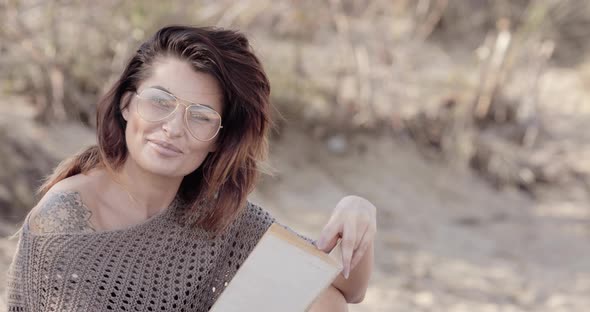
(168, 91)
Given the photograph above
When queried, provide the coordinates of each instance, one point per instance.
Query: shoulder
(254, 212)
(252, 219)
(251, 222)
(62, 209)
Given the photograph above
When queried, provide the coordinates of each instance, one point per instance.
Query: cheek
(137, 128)
(136, 131)
(131, 130)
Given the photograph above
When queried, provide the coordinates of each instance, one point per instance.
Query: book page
(283, 273)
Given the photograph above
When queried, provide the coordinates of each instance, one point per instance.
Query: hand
(354, 220)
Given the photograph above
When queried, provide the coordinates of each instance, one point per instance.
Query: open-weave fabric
(158, 265)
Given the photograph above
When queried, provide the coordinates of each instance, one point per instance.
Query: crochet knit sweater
(158, 265)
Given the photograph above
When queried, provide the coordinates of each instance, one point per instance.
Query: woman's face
(145, 139)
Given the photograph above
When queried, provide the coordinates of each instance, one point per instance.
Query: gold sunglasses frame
(178, 101)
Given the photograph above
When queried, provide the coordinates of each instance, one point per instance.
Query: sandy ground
(446, 241)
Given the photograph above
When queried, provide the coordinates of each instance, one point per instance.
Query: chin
(168, 168)
(160, 168)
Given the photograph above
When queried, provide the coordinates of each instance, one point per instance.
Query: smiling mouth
(164, 149)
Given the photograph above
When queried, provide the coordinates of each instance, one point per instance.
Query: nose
(173, 126)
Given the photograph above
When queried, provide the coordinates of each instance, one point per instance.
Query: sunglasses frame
(187, 106)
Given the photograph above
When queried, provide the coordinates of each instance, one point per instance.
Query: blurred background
(465, 122)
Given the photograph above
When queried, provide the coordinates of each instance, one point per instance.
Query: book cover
(284, 272)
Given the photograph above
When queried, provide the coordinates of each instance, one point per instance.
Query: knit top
(158, 265)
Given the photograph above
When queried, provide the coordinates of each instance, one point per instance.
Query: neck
(149, 192)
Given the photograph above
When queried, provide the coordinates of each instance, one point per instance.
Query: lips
(166, 145)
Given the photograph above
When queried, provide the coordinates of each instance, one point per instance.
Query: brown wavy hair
(216, 191)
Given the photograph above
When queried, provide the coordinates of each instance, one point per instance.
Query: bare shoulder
(62, 209)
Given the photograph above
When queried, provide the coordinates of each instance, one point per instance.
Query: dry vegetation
(460, 77)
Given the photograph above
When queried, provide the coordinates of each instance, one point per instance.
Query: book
(284, 272)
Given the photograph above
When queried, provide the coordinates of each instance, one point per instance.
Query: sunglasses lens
(155, 105)
(203, 122)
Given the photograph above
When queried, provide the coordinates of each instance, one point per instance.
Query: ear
(124, 105)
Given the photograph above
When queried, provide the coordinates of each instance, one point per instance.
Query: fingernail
(320, 244)
(346, 274)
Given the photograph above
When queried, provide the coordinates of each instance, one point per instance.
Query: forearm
(354, 288)
(330, 300)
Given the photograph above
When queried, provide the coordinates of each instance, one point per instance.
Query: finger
(359, 251)
(368, 236)
(329, 243)
(348, 244)
(329, 246)
(329, 237)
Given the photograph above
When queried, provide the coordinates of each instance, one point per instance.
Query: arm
(355, 287)
(330, 300)
(56, 212)
(353, 220)
(16, 295)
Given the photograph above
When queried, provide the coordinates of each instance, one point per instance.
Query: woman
(155, 217)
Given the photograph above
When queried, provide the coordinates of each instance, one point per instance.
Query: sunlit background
(465, 122)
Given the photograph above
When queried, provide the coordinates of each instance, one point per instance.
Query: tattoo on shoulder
(62, 212)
